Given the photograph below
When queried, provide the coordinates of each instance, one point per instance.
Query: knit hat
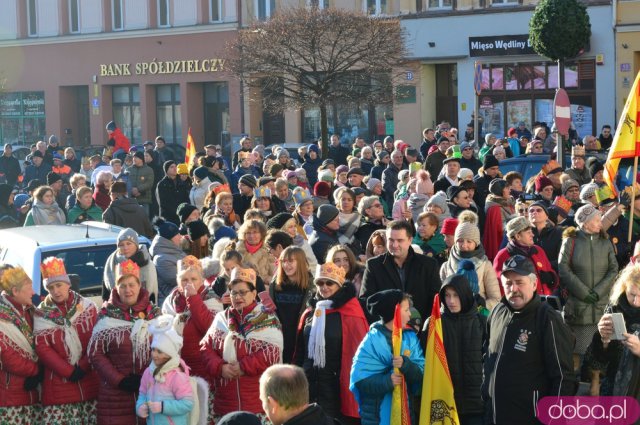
(415, 166)
(383, 304)
(326, 214)
(53, 177)
(57, 156)
(53, 271)
(372, 183)
(282, 153)
(489, 161)
(357, 171)
(128, 234)
(289, 174)
(424, 186)
(403, 174)
(197, 229)
(201, 173)
(249, 180)
(329, 271)
(184, 211)
(439, 199)
(342, 169)
(165, 337)
(586, 213)
(111, 126)
(568, 184)
(449, 226)
(275, 169)
(533, 142)
(382, 155)
(225, 232)
(541, 182)
(594, 167)
(313, 148)
(468, 231)
(587, 191)
(279, 220)
(328, 162)
(464, 174)
(499, 149)
(322, 188)
(497, 186)
(139, 155)
(166, 229)
(167, 164)
(247, 275)
(325, 176)
(517, 225)
(183, 168)
(541, 205)
(37, 154)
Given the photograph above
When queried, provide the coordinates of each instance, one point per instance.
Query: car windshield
(88, 263)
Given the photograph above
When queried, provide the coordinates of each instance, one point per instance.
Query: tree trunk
(324, 131)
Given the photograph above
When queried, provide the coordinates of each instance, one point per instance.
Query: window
(264, 8)
(216, 113)
(163, 13)
(320, 4)
(376, 7)
(168, 112)
(215, 10)
(440, 4)
(116, 12)
(32, 17)
(22, 118)
(126, 111)
(74, 16)
(504, 2)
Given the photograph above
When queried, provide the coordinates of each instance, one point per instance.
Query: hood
(417, 200)
(463, 290)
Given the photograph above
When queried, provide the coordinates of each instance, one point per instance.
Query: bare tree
(310, 57)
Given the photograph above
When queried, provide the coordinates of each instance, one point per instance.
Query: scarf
(15, 331)
(176, 305)
(49, 319)
(160, 376)
(316, 336)
(349, 224)
(47, 214)
(455, 257)
(252, 249)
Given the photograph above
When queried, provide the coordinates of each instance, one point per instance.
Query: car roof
(62, 234)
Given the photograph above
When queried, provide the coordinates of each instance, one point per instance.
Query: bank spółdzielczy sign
(500, 45)
(156, 67)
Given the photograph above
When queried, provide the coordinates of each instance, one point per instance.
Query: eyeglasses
(325, 283)
(240, 294)
(376, 206)
(535, 210)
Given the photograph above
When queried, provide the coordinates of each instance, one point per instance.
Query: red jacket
(56, 389)
(493, 231)
(121, 141)
(14, 368)
(101, 196)
(242, 393)
(547, 277)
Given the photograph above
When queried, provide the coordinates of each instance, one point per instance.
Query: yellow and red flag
(437, 389)
(626, 141)
(190, 152)
(399, 402)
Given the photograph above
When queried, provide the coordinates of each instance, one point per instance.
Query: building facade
(626, 21)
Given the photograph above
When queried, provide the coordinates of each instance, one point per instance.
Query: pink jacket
(175, 394)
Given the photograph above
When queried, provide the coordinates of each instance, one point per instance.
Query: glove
(625, 199)
(592, 298)
(31, 382)
(130, 383)
(77, 374)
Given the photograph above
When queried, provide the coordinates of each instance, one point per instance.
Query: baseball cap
(518, 264)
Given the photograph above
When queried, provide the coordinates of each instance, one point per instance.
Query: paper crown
(189, 262)
(53, 270)
(262, 192)
(244, 155)
(13, 277)
(563, 203)
(604, 195)
(551, 167)
(578, 150)
(127, 268)
(301, 195)
(415, 166)
(331, 272)
(455, 149)
(222, 188)
(244, 275)
(629, 190)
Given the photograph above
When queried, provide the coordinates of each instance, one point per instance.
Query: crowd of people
(260, 259)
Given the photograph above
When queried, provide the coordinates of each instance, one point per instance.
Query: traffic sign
(562, 112)
(477, 78)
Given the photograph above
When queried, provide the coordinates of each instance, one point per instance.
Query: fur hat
(165, 337)
(586, 213)
(383, 304)
(468, 231)
(517, 225)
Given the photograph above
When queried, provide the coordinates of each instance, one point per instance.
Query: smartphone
(619, 327)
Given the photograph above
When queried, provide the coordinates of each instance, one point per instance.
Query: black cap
(518, 264)
(383, 303)
(490, 161)
(453, 191)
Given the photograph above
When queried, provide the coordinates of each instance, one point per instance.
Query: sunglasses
(325, 283)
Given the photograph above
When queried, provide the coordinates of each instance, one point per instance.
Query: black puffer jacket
(321, 240)
(126, 212)
(550, 240)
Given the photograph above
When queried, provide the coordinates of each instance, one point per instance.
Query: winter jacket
(120, 141)
(101, 196)
(390, 182)
(550, 240)
(79, 215)
(113, 359)
(170, 194)
(174, 392)
(587, 264)
(311, 167)
(142, 178)
(9, 170)
(498, 212)
(581, 176)
(53, 352)
(126, 212)
(472, 164)
(422, 280)
(31, 172)
(376, 171)
(241, 204)
(198, 192)
(416, 203)
(321, 240)
(433, 247)
(339, 154)
(15, 363)
(548, 279)
(312, 415)
(433, 163)
(482, 190)
(165, 256)
(365, 231)
(264, 262)
(524, 363)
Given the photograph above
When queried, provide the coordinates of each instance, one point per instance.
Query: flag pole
(633, 197)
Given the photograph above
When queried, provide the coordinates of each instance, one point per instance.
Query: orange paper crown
(53, 270)
(330, 271)
(189, 262)
(244, 275)
(222, 188)
(127, 268)
(551, 167)
(563, 203)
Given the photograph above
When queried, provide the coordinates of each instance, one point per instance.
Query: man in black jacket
(126, 212)
(401, 268)
(170, 194)
(528, 349)
(9, 166)
(337, 152)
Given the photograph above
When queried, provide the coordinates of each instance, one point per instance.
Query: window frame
(113, 15)
(267, 9)
(79, 14)
(174, 103)
(32, 18)
(440, 6)
(505, 3)
(167, 3)
(321, 4)
(378, 11)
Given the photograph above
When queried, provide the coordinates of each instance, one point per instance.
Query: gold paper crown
(244, 275)
(551, 167)
(222, 188)
(13, 278)
(604, 194)
(301, 195)
(53, 270)
(262, 192)
(578, 150)
(127, 268)
(415, 166)
(331, 272)
(628, 190)
(189, 262)
(563, 203)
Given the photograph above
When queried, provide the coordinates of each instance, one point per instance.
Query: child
(166, 395)
(372, 374)
(431, 243)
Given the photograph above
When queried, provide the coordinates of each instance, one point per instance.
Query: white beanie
(468, 231)
(165, 337)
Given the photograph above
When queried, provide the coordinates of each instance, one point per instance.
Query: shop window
(163, 13)
(215, 10)
(264, 9)
(168, 113)
(320, 4)
(74, 16)
(22, 118)
(32, 17)
(504, 2)
(116, 14)
(126, 111)
(376, 7)
(440, 4)
(216, 113)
